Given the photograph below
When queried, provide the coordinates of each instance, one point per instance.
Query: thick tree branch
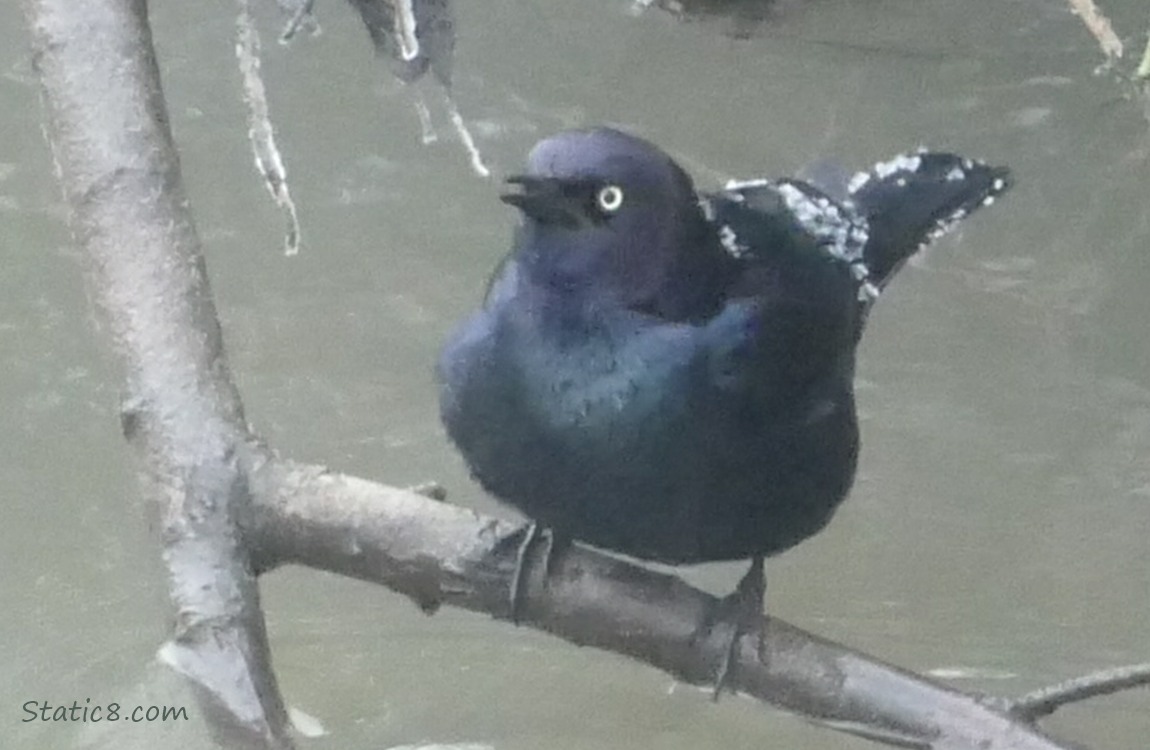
(437, 553)
(108, 128)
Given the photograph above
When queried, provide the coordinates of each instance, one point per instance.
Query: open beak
(544, 199)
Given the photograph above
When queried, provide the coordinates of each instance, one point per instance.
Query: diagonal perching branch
(437, 554)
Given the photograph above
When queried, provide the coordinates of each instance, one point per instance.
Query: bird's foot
(533, 534)
(742, 612)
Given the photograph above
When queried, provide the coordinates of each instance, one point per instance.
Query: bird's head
(610, 217)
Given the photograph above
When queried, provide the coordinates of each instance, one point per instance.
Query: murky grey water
(999, 526)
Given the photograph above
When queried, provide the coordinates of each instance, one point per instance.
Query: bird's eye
(610, 198)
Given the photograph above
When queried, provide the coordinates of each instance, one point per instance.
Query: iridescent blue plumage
(669, 374)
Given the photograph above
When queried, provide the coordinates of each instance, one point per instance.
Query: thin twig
(1098, 25)
(406, 29)
(1143, 71)
(260, 131)
(1046, 701)
(475, 158)
(301, 17)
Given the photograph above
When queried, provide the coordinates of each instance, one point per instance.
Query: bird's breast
(590, 378)
(619, 433)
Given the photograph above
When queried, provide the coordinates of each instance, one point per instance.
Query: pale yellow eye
(610, 198)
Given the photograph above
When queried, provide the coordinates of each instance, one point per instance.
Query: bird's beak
(543, 199)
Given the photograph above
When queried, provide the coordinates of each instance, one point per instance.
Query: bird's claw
(532, 533)
(742, 612)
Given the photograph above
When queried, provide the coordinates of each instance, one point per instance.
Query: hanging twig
(1143, 71)
(1099, 25)
(260, 131)
(300, 17)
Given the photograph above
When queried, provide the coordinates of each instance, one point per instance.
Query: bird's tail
(914, 199)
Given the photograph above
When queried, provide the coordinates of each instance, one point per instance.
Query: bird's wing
(794, 228)
(793, 312)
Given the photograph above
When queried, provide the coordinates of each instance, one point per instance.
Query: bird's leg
(557, 544)
(743, 609)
